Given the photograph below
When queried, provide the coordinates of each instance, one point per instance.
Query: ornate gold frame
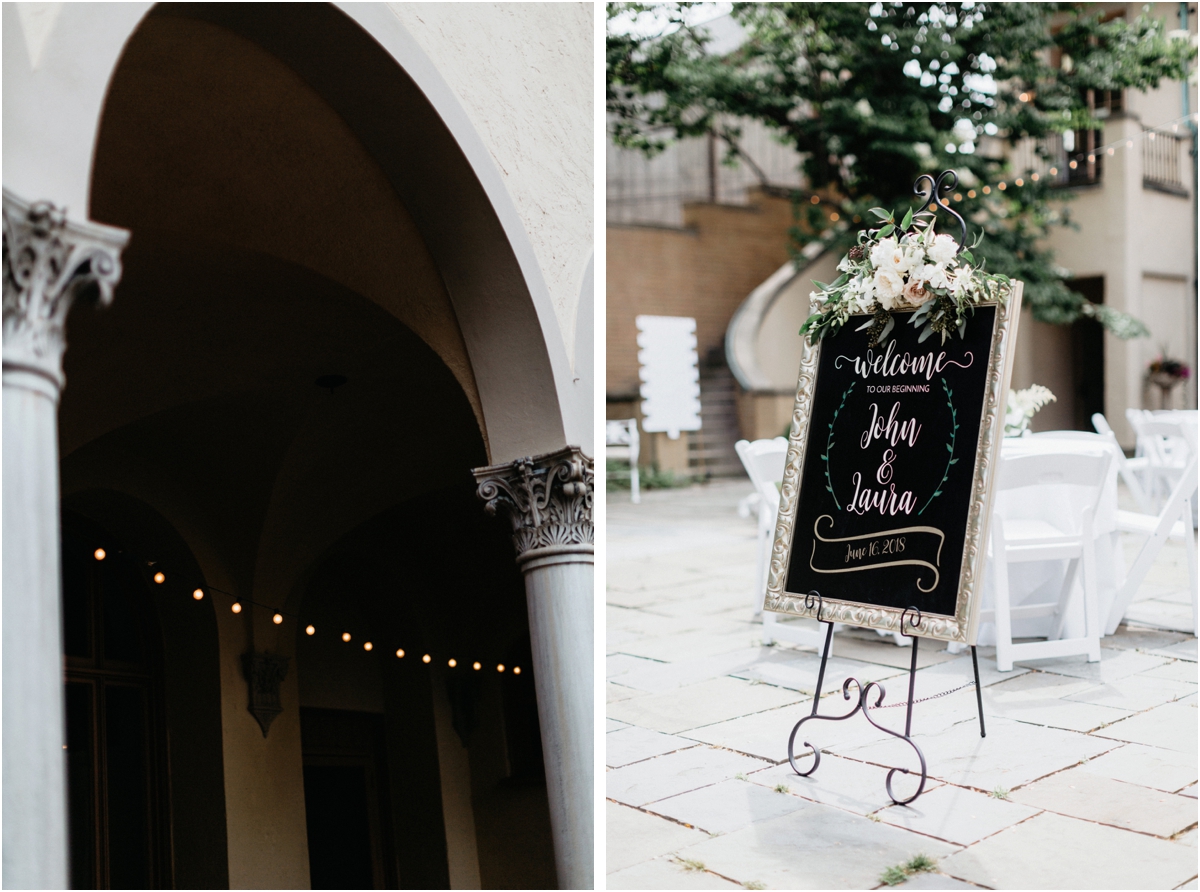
(963, 626)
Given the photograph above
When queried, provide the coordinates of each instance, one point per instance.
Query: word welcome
(889, 365)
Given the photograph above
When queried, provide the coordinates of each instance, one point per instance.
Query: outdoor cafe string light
(159, 577)
(1002, 184)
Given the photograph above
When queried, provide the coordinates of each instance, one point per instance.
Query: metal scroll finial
(814, 597)
(946, 181)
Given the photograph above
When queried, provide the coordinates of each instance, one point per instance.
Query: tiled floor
(1086, 779)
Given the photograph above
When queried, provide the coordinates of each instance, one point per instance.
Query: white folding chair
(764, 460)
(621, 441)
(1164, 450)
(1174, 521)
(1019, 539)
(1128, 468)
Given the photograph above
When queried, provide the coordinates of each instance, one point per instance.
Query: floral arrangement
(1022, 406)
(1166, 367)
(904, 267)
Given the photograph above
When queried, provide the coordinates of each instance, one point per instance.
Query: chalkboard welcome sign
(886, 491)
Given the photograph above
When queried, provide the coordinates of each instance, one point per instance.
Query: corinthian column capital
(548, 499)
(48, 262)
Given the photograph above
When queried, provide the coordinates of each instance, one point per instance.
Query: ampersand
(884, 474)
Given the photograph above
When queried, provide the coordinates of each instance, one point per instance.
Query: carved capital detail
(264, 674)
(49, 261)
(548, 498)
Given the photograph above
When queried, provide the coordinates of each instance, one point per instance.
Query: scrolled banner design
(916, 546)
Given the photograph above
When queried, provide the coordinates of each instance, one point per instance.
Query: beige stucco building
(320, 445)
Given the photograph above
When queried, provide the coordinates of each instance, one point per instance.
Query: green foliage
(617, 477)
(896, 875)
(874, 95)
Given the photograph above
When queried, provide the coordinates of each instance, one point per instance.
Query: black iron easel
(914, 622)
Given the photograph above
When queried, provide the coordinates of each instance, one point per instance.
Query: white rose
(888, 286)
(943, 249)
(883, 255)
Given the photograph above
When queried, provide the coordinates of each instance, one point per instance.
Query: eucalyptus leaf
(907, 220)
(926, 333)
(886, 230)
(881, 213)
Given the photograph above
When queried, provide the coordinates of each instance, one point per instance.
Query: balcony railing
(1162, 169)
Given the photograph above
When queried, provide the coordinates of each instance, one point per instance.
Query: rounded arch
(371, 71)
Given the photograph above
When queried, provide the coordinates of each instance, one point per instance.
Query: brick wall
(704, 270)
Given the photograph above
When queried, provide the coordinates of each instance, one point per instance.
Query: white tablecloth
(1040, 581)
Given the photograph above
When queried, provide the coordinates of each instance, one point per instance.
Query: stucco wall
(532, 105)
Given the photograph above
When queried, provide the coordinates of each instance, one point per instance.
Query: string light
(834, 217)
(1020, 182)
(970, 193)
(1001, 185)
(236, 606)
(816, 199)
(987, 190)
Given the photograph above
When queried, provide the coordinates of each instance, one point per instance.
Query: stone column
(548, 498)
(48, 263)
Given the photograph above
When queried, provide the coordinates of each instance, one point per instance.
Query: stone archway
(478, 324)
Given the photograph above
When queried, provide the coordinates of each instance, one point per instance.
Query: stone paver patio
(1086, 780)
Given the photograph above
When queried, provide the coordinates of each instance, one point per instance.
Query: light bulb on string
(99, 554)
(160, 578)
(367, 645)
(400, 652)
(476, 666)
(426, 658)
(500, 667)
(452, 662)
(237, 607)
(277, 619)
(345, 636)
(516, 670)
(198, 595)
(310, 630)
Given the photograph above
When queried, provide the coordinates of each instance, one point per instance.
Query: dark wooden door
(116, 814)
